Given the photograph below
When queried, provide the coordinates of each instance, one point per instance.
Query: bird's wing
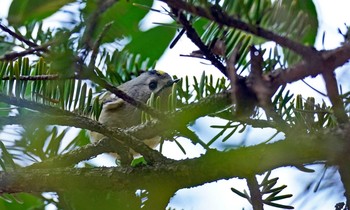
(115, 104)
(111, 101)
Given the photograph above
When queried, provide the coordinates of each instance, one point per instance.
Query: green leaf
(301, 24)
(82, 98)
(125, 17)
(7, 158)
(281, 206)
(151, 43)
(55, 142)
(309, 8)
(23, 11)
(180, 147)
(2, 165)
(243, 195)
(80, 140)
(21, 201)
(138, 162)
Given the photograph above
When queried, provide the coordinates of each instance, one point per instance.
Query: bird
(118, 113)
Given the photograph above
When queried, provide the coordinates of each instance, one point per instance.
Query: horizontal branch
(34, 106)
(54, 116)
(329, 145)
(130, 137)
(34, 77)
(39, 77)
(151, 129)
(117, 136)
(14, 55)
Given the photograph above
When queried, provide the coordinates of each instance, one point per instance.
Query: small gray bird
(118, 113)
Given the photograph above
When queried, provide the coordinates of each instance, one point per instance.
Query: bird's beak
(171, 82)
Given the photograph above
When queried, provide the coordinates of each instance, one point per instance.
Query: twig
(96, 46)
(18, 36)
(255, 194)
(35, 77)
(243, 97)
(177, 38)
(232, 73)
(34, 50)
(193, 36)
(92, 21)
(333, 94)
(312, 111)
(34, 106)
(314, 89)
(260, 86)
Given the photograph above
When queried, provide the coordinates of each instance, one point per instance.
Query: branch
(331, 59)
(333, 94)
(92, 22)
(217, 15)
(38, 77)
(63, 117)
(13, 55)
(34, 106)
(34, 48)
(315, 62)
(330, 145)
(118, 137)
(18, 36)
(32, 78)
(193, 36)
(188, 114)
(255, 194)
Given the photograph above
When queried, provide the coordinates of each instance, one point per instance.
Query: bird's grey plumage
(118, 113)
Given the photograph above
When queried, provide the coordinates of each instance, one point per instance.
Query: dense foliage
(52, 77)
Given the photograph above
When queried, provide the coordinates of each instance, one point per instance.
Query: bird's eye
(152, 85)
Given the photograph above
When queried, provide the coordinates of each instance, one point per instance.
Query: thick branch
(243, 162)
